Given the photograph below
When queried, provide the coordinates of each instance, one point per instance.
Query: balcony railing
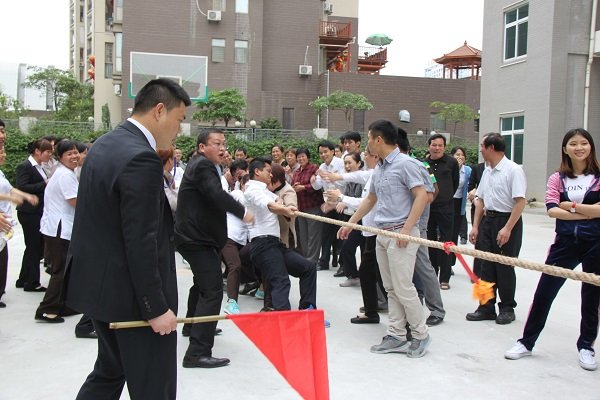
(331, 29)
(372, 55)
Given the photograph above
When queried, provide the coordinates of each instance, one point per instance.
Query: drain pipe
(588, 69)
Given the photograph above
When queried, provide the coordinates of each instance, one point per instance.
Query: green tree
(270, 123)
(225, 105)
(454, 112)
(10, 108)
(72, 100)
(342, 100)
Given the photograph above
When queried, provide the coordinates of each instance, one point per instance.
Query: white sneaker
(516, 352)
(587, 360)
(231, 307)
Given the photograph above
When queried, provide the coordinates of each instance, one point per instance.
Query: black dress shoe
(35, 289)
(340, 273)
(479, 315)
(2, 304)
(321, 266)
(19, 284)
(432, 320)
(86, 335)
(505, 317)
(218, 331)
(204, 362)
(363, 319)
(45, 318)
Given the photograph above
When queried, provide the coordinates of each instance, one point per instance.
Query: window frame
(238, 50)
(242, 6)
(517, 24)
(214, 48)
(516, 135)
(109, 51)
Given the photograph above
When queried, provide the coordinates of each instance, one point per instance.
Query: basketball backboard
(189, 71)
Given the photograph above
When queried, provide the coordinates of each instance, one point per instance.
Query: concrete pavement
(465, 359)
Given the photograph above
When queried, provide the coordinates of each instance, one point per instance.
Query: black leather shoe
(2, 304)
(86, 335)
(218, 331)
(322, 266)
(19, 284)
(204, 362)
(363, 319)
(505, 317)
(45, 318)
(35, 289)
(432, 320)
(340, 273)
(479, 315)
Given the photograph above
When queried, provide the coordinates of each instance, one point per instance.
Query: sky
(36, 32)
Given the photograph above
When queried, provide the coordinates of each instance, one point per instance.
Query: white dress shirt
(145, 131)
(38, 168)
(237, 230)
(257, 199)
(336, 166)
(57, 210)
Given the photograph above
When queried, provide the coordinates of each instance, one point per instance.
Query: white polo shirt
(237, 230)
(258, 197)
(62, 186)
(501, 185)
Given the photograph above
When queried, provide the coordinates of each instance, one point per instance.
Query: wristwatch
(573, 210)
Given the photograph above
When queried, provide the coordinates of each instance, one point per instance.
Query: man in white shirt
(331, 164)
(268, 253)
(501, 196)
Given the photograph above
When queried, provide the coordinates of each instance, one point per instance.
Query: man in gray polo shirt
(400, 196)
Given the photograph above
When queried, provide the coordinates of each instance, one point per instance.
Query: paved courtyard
(465, 360)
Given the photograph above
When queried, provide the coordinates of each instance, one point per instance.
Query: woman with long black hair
(572, 197)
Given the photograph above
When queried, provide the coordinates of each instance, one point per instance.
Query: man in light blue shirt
(400, 196)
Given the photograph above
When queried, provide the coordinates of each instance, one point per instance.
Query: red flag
(294, 342)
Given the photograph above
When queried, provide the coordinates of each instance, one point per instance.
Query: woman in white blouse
(60, 198)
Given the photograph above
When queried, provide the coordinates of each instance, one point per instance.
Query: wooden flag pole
(190, 320)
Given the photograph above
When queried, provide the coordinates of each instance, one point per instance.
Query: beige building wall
(344, 8)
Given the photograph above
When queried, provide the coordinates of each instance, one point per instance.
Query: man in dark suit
(200, 234)
(31, 178)
(121, 263)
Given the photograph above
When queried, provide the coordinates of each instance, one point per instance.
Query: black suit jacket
(476, 174)
(121, 262)
(202, 205)
(30, 181)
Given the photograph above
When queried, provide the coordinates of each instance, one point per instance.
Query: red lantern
(93, 60)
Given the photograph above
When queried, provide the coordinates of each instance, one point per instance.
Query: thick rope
(511, 261)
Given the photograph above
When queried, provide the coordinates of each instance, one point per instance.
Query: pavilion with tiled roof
(465, 57)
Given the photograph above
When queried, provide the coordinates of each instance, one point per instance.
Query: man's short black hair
(242, 149)
(160, 90)
(326, 143)
(204, 134)
(436, 136)
(238, 164)
(496, 140)
(385, 129)
(403, 142)
(258, 163)
(352, 135)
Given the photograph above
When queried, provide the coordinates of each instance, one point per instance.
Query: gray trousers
(310, 234)
(428, 277)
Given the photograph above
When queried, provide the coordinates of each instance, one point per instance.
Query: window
(118, 10)
(512, 129)
(218, 50)
(219, 5)
(437, 123)
(515, 32)
(241, 6)
(118, 53)
(358, 123)
(241, 51)
(108, 60)
(288, 118)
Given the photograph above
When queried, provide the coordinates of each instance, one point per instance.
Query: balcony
(335, 33)
(371, 60)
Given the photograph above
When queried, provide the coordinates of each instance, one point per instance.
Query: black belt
(492, 214)
(264, 237)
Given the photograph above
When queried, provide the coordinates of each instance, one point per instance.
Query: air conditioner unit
(213, 15)
(305, 70)
(328, 8)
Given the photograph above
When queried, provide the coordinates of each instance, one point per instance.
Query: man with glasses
(200, 234)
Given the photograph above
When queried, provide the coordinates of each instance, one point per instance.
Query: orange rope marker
(482, 290)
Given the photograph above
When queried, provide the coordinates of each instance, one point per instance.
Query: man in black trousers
(200, 234)
(121, 261)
